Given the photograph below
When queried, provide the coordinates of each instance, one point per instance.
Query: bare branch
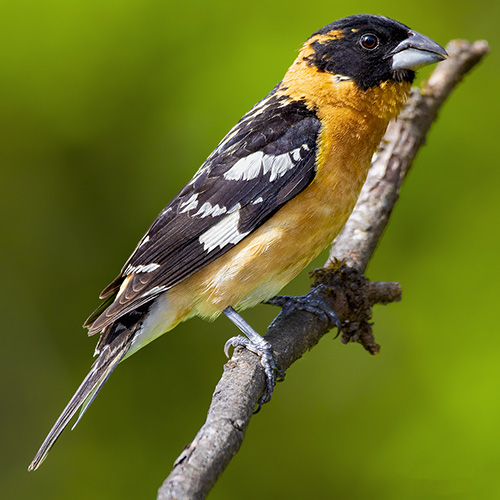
(352, 295)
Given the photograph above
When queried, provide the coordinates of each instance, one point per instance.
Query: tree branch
(350, 294)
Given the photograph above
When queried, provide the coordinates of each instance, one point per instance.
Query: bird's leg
(309, 302)
(258, 345)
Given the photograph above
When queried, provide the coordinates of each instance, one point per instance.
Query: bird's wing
(264, 161)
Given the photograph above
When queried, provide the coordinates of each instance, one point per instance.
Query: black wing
(264, 161)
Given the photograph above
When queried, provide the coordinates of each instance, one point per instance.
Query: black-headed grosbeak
(274, 193)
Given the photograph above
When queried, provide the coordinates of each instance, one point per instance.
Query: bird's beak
(417, 51)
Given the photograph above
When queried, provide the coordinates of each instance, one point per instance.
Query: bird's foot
(264, 350)
(309, 302)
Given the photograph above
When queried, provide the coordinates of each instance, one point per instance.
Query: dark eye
(369, 41)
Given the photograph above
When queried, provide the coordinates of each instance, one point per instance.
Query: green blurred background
(107, 109)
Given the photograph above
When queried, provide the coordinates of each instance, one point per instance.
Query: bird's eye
(369, 41)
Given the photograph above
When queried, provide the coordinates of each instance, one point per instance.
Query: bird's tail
(109, 357)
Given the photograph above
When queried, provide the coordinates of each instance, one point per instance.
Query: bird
(272, 195)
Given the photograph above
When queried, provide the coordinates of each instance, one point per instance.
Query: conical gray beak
(417, 51)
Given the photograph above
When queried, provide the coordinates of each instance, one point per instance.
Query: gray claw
(264, 351)
(233, 342)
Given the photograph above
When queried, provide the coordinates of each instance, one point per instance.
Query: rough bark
(348, 292)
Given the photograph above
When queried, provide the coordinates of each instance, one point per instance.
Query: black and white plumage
(263, 162)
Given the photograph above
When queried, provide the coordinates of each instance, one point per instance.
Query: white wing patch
(142, 268)
(207, 209)
(144, 241)
(280, 164)
(253, 165)
(189, 204)
(246, 168)
(155, 290)
(224, 232)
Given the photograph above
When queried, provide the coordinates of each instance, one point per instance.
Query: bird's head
(371, 49)
(361, 62)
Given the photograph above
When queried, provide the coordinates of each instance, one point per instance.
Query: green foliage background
(106, 109)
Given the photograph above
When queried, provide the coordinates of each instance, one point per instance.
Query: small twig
(201, 463)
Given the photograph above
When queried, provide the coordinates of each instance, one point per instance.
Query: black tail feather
(109, 357)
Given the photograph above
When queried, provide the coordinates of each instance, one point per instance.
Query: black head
(372, 49)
